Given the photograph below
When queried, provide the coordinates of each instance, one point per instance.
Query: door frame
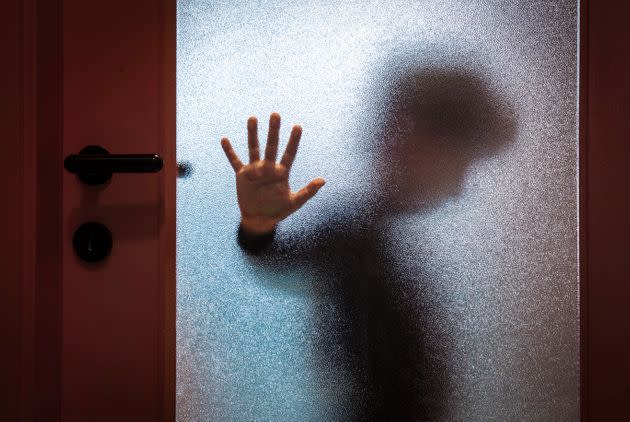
(31, 252)
(604, 208)
(30, 174)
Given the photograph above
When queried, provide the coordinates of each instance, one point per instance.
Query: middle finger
(271, 151)
(252, 139)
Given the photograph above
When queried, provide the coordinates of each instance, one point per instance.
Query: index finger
(292, 146)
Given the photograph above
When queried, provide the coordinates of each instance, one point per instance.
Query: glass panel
(434, 276)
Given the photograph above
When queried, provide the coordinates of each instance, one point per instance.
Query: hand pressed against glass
(262, 186)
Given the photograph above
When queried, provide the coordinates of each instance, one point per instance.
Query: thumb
(300, 197)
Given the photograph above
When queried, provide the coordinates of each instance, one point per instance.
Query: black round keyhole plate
(92, 242)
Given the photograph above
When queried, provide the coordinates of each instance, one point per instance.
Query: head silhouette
(436, 122)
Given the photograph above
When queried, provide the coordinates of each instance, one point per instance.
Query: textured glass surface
(435, 274)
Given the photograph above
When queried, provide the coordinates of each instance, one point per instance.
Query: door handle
(94, 165)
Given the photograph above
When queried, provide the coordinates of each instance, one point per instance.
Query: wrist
(257, 226)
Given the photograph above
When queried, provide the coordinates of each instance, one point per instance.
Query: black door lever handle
(94, 165)
(114, 163)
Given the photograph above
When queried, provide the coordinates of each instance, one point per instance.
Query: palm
(262, 186)
(263, 190)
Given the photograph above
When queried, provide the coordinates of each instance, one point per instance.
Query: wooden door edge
(582, 200)
(168, 45)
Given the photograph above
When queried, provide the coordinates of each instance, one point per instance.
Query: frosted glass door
(434, 276)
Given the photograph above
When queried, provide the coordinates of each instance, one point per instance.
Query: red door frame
(31, 181)
(605, 209)
(30, 219)
(31, 175)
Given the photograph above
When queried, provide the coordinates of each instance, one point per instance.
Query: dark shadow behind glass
(435, 121)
